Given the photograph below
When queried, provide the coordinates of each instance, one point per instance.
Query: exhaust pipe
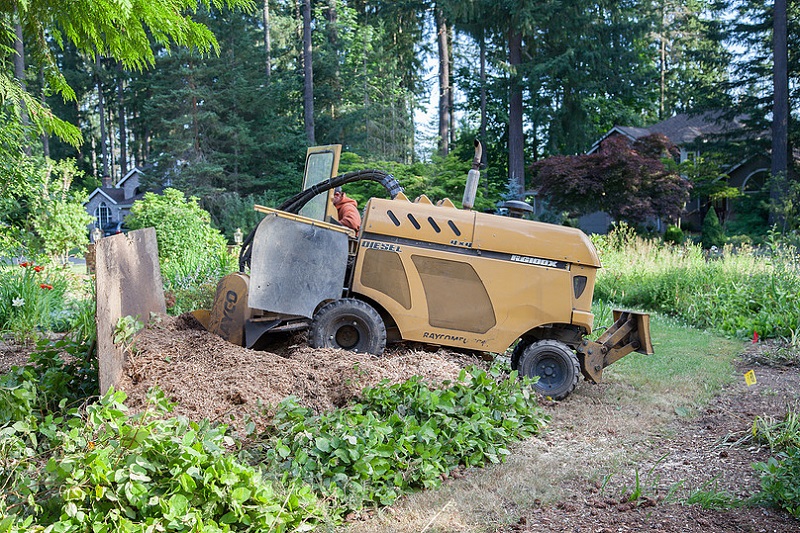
(473, 178)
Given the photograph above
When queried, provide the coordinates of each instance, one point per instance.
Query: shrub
(780, 480)
(712, 230)
(674, 235)
(780, 475)
(438, 179)
(64, 371)
(193, 255)
(106, 471)
(182, 226)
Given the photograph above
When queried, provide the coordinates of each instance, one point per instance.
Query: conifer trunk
(267, 39)
(308, 75)
(780, 110)
(516, 155)
(123, 134)
(444, 83)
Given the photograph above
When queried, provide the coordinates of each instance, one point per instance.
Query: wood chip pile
(210, 378)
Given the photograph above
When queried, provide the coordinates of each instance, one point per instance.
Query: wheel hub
(347, 336)
(549, 373)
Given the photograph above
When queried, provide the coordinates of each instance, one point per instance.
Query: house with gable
(694, 134)
(110, 204)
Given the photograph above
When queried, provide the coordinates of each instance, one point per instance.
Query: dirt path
(712, 453)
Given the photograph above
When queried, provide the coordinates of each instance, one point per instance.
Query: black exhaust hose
(295, 203)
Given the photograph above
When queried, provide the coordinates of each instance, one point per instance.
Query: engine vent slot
(454, 228)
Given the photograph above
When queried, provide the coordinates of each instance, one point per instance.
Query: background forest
(228, 119)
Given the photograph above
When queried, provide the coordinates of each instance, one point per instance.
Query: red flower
(23, 265)
(38, 268)
(45, 286)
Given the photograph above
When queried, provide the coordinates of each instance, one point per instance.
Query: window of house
(689, 155)
(754, 183)
(102, 215)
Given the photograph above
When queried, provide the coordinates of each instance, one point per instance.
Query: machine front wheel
(517, 352)
(556, 365)
(348, 324)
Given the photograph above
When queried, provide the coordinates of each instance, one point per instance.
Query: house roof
(112, 194)
(131, 172)
(116, 194)
(681, 129)
(685, 129)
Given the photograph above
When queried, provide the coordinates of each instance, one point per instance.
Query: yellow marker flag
(750, 378)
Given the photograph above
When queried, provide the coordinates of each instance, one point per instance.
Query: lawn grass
(689, 365)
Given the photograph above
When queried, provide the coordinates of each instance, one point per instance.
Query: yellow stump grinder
(427, 273)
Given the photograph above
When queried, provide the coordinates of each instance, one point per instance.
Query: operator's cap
(337, 189)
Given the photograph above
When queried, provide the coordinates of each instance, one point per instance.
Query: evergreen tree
(752, 30)
(120, 30)
(693, 60)
(712, 235)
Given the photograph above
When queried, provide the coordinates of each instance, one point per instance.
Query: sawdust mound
(210, 378)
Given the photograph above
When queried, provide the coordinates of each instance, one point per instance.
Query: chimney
(106, 180)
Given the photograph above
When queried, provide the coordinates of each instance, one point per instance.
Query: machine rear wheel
(348, 324)
(556, 365)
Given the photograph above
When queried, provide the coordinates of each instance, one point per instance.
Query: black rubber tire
(516, 353)
(348, 324)
(556, 365)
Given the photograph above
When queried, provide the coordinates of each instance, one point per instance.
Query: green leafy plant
(713, 234)
(63, 371)
(100, 470)
(780, 474)
(126, 329)
(780, 480)
(674, 234)
(60, 220)
(402, 437)
(181, 225)
(192, 254)
(437, 179)
(192, 281)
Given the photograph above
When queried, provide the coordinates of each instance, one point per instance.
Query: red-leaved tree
(627, 180)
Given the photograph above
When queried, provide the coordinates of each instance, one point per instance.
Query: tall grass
(734, 291)
(192, 280)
